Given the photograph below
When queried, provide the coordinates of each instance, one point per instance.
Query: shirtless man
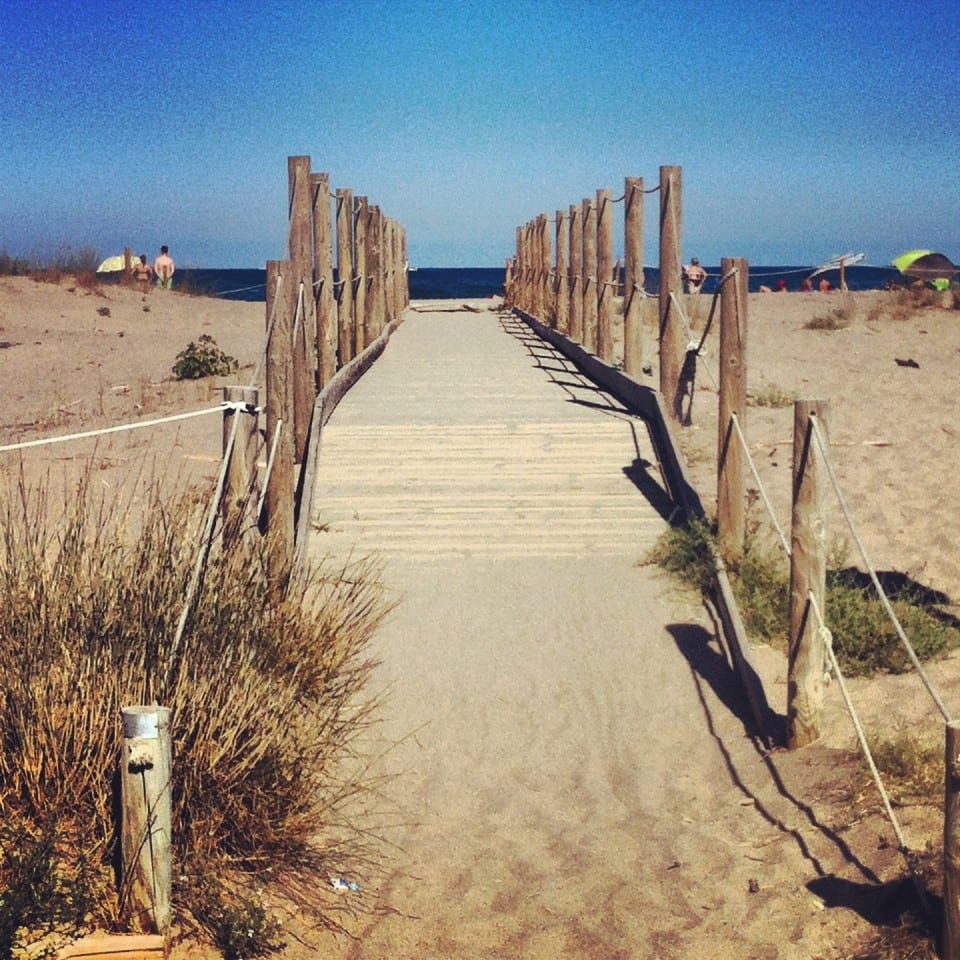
(695, 276)
(163, 267)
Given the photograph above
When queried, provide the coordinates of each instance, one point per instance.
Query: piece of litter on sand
(342, 886)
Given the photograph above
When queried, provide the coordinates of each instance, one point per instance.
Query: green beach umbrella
(925, 265)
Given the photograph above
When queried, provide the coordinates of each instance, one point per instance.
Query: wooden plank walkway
(564, 737)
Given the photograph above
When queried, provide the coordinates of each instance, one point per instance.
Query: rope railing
(871, 572)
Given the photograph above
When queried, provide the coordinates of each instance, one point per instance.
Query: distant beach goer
(142, 272)
(781, 285)
(824, 285)
(164, 267)
(806, 284)
(695, 275)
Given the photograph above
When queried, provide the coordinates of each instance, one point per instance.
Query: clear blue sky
(804, 128)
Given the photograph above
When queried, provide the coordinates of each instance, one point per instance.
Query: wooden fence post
(605, 288)
(576, 272)
(241, 475)
(145, 770)
(672, 338)
(360, 334)
(279, 499)
(127, 265)
(808, 572)
(562, 233)
(406, 265)
(633, 281)
(323, 271)
(344, 268)
(548, 315)
(389, 271)
(731, 471)
(373, 321)
(951, 844)
(590, 276)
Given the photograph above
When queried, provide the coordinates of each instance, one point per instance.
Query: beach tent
(925, 265)
(111, 264)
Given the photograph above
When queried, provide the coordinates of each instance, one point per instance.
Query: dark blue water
(452, 283)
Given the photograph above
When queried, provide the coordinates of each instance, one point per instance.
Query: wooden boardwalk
(564, 738)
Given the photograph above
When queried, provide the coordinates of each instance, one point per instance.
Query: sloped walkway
(570, 765)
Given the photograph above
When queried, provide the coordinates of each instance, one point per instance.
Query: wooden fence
(321, 335)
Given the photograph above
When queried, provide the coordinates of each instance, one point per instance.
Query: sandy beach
(68, 365)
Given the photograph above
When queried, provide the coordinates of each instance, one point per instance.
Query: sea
(470, 283)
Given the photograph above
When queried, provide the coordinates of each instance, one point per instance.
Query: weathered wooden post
(241, 473)
(127, 265)
(389, 272)
(731, 470)
(344, 268)
(548, 315)
(590, 275)
(406, 268)
(605, 288)
(576, 272)
(323, 271)
(304, 327)
(359, 334)
(562, 295)
(145, 823)
(373, 320)
(808, 574)
(951, 844)
(279, 492)
(525, 289)
(672, 340)
(633, 280)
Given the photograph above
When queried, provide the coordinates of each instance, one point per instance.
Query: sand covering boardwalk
(574, 775)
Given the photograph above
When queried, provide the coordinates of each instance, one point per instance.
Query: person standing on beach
(164, 267)
(696, 275)
(142, 273)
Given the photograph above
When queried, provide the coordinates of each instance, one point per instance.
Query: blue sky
(804, 129)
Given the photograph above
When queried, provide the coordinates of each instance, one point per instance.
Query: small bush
(103, 311)
(770, 396)
(267, 697)
(837, 319)
(910, 770)
(203, 359)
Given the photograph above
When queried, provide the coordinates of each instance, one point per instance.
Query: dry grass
(268, 701)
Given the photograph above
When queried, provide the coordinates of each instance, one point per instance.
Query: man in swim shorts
(163, 267)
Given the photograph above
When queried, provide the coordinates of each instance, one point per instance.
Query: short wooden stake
(673, 343)
(590, 275)
(239, 487)
(145, 770)
(731, 459)
(633, 280)
(808, 575)
(951, 844)
(605, 288)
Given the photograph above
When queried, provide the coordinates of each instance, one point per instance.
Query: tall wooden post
(808, 574)
(241, 473)
(388, 272)
(278, 496)
(374, 272)
(406, 265)
(951, 844)
(590, 275)
(362, 334)
(127, 265)
(731, 460)
(344, 268)
(562, 295)
(672, 339)
(605, 288)
(305, 327)
(576, 272)
(633, 281)
(548, 316)
(145, 831)
(323, 272)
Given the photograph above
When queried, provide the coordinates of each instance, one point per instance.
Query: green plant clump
(864, 639)
(203, 359)
(770, 396)
(267, 694)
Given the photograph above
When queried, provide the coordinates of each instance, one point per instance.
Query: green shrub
(770, 396)
(267, 691)
(203, 359)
